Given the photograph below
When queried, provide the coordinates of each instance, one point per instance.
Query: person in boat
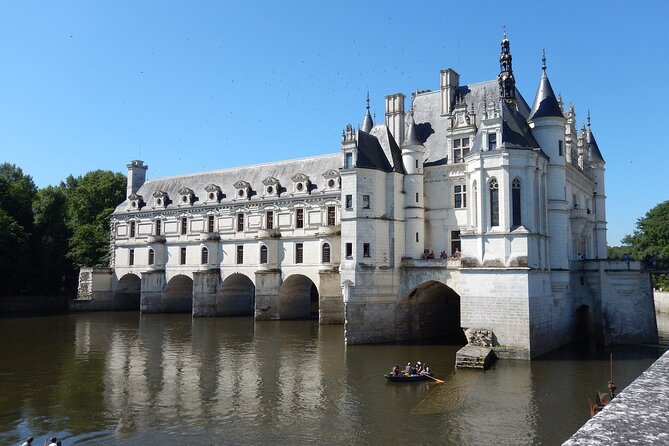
(419, 368)
(28, 442)
(53, 441)
(396, 370)
(407, 370)
(426, 370)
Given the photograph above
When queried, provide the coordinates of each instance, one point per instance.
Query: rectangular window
(456, 143)
(457, 155)
(184, 225)
(331, 216)
(416, 164)
(417, 238)
(455, 243)
(158, 227)
(299, 218)
(365, 201)
(492, 141)
(460, 196)
(240, 254)
(416, 197)
(132, 229)
(240, 222)
(269, 220)
(299, 253)
(560, 147)
(349, 202)
(465, 142)
(131, 257)
(210, 223)
(349, 250)
(366, 252)
(182, 258)
(348, 160)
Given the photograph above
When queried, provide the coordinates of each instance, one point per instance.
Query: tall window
(515, 201)
(131, 257)
(263, 254)
(365, 201)
(182, 258)
(417, 238)
(460, 149)
(348, 160)
(204, 258)
(416, 197)
(492, 141)
(560, 147)
(331, 215)
(299, 218)
(184, 225)
(132, 228)
(349, 250)
(240, 254)
(325, 253)
(460, 196)
(299, 253)
(210, 223)
(152, 257)
(159, 228)
(455, 241)
(240, 222)
(366, 251)
(494, 202)
(349, 202)
(269, 220)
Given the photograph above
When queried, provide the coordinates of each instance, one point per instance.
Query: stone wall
(661, 301)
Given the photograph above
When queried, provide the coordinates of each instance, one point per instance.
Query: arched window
(152, 256)
(325, 253)
(263, 254)
(205, 256)
(494, 202)
(515, 201)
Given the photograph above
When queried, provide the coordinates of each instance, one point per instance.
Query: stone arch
(178, 295)
(298, 298)
(583, 324)
(127, 292)
(236, 296)
(431, 310)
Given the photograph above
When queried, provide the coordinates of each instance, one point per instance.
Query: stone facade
(472, 210)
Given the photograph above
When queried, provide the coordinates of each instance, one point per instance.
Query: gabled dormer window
(243, 190)
(301, 183)
(492, 141)
(214, 193)
(160, 199)
(332, 180)
(271, 187)
(187, 196)
(136, 202)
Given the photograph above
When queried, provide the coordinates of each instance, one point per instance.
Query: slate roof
(390, 148)
(371, 154)
(545, 102)
(593, 149)
(313, 167)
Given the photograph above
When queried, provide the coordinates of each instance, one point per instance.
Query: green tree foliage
(16, 194)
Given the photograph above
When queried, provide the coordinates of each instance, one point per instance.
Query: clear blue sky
(193, 86)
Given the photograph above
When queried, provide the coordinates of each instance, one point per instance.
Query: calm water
(128, 379)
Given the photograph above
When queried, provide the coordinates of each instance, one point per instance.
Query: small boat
(405, 378)
(602, 399)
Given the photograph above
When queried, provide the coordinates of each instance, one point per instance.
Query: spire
(594, 155)
(507, 83)
(545, 102)
(367, 122)
(412, 133)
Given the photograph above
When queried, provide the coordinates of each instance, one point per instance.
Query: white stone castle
(473, 210)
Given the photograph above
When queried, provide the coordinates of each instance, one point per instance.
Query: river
(131, 379)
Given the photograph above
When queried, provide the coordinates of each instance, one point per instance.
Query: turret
(597, 163)
(136, 176)
(367, 122)
(413, 155)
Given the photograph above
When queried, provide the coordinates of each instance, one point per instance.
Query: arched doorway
(236, 297)
(127, 293)
(178, 295)
(582, 322)
(298, 298)
(431, 311)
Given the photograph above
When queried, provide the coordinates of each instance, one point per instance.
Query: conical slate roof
(412, 138)
(545, 102)
(367, 123)
(593, 149)
(515, 131)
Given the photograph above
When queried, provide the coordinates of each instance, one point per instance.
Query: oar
(438, 381)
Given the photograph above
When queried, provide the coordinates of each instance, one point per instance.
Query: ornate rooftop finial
(560, 103)
(588, 118)
(367, 122)
(507, 83)
(543, 59)
(367, 107)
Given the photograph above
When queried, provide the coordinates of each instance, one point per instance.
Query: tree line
(47, 234)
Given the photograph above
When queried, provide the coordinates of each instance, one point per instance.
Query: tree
(650, 240)
(90, 201)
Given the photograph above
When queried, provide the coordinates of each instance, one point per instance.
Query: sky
(203, 85)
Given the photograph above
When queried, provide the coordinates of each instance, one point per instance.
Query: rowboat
(403, 378)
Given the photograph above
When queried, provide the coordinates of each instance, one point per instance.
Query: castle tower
(597, 165)
(413, 156)
(136, 176)
(548, 127)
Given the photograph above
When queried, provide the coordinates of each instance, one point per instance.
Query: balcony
(450, 263)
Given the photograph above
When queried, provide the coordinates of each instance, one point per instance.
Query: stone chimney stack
(395, 116)
(450, 81)
(136, 176)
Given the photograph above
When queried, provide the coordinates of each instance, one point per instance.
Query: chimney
(136, 176)
(395, 116)
(450, 81)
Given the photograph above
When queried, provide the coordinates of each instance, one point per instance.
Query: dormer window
(332, 179)
(243, 190)
(492, 141)
(460, 149)
(271, 187)
(160, 199)
(348, 160)
(187, 196)
(136, 202)
(214, 193)
(301, 183)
